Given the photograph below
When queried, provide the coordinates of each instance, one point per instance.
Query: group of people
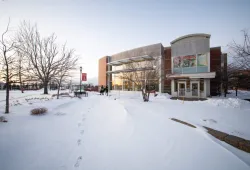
(104, 90)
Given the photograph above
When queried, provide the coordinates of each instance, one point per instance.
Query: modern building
(189, 67)
(145, 59)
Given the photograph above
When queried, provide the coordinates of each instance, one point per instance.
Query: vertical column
(205, 88)
(109, 83)
(160, 63)
(122, 84)
(199, 91)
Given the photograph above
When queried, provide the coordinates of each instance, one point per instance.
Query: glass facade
(131, 81)
(131, 76)
(116, 82)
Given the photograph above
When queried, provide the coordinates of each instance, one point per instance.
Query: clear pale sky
(105, 27)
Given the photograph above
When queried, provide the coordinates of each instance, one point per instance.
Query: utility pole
(80, 79)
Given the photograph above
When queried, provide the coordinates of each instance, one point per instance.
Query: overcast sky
(105, 27)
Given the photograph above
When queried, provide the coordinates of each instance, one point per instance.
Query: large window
(184, 61)
(202, 60)
(189, 61)
(116, 82)
(177, 62)
(190, 64)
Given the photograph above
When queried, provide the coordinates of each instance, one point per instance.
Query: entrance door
(181, 89)
(195, 89)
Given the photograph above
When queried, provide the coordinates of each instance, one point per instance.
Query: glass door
(181, 89)
(195, 89)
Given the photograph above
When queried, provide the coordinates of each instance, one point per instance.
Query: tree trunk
(7, 96)
(225, 90)
(148, 96)
(236, 91)
(58, 89)
(145, 96)
(45, 86)
(20, 80)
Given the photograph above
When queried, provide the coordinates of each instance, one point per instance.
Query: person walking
(107, 90)
(102, 90)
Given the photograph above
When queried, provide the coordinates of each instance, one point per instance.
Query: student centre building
(189, 67)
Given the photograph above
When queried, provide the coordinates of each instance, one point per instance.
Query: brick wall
(215, 66)
(167, 69)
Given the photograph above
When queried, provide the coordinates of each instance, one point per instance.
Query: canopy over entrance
(191, 76)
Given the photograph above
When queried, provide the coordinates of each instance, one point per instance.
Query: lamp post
(80, 78)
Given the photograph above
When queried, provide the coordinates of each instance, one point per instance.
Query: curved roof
(190, 35)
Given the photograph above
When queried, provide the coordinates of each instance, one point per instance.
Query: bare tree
(7, 58)
(145, 75)
(42, 52)
(236, 77)
(20, 68)
(65, 67)
(241, 56)
(241, 51)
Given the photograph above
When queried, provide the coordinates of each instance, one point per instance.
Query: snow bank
(229, 103)
(242, 94)
(163, 96)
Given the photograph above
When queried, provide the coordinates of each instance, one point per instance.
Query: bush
(39, 111)
(66, 94)
(3, 119)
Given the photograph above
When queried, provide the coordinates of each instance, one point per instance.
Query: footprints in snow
(79, 141)
(82, 132)
(77, 164)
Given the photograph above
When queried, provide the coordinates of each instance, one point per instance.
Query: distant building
(190, 67)
(1, 85)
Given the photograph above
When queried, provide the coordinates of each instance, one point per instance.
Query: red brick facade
(167, 69)
(215, 66)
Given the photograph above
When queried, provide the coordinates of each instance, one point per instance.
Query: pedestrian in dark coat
(102, 90)
(107, 90)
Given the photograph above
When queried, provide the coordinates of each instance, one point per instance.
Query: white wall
(208, 86)
(173, 93)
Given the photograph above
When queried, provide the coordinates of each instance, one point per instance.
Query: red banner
(84, 76)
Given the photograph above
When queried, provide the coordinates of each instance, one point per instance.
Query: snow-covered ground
(241, 94)
(17, 97)
(122, 132)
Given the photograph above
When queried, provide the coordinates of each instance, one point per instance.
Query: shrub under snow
(39, 111)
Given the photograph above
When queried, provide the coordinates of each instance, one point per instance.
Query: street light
(80, 78)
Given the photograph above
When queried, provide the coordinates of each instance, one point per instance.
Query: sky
(96, 28)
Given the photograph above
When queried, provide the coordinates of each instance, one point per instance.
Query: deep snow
(122, 132)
